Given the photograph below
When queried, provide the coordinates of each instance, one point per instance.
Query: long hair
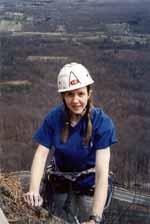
(67, 124)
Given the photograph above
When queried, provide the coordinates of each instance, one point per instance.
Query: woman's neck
(75, 118)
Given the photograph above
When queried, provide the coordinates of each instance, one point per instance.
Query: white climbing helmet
(73, 76)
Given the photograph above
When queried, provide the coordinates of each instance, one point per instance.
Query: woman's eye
(69, 94)
(81, 94)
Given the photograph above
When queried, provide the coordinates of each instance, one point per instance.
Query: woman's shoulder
(55, 112)
(100, 118)
(98, 113)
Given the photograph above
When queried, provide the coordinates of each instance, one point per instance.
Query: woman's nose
(75, 99)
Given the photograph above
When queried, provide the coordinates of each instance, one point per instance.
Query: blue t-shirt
(74, 155)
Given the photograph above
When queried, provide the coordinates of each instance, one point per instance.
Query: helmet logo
(73, 80)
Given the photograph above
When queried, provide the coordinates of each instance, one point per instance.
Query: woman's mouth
(77, 107)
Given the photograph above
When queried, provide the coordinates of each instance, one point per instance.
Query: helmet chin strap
(78, 116)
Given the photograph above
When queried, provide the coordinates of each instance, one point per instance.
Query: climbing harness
(56, 181)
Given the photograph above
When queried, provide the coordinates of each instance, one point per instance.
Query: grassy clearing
(15, 86)
(10, 26)
(119, 28)
(83, 35)
(131, 40)
(46, 58)
(47, 34)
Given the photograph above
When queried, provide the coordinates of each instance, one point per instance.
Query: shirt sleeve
(105, 134)
(44, 134)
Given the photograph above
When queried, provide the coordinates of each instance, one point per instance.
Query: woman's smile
(77, 109)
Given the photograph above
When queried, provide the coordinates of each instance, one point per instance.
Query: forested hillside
(111, 39)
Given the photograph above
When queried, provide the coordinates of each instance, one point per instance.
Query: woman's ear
(62, 96)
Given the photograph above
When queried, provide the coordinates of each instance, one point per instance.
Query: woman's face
(76, 100)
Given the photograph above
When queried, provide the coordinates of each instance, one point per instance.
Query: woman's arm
(102, 172)
(32, 197)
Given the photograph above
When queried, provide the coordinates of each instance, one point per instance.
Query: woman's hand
(33, 199)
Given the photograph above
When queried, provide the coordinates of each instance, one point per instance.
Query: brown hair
(66, 129)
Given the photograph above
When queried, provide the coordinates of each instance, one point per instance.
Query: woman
(81, 135)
